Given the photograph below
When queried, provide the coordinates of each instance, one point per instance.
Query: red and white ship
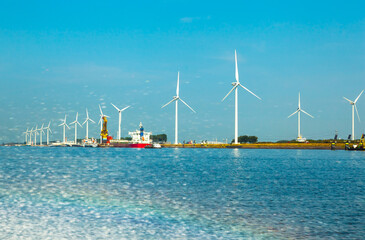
(140, 139)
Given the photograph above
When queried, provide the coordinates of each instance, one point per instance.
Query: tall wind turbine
(298, 111)
(48, 129)
(101, 123)
(176, 99)
(235, 87)
(76, 122)
(64, 124)
(41, 132)
(87, 123)
(120, 119)
(353, 103)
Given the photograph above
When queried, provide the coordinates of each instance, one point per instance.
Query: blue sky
(60, 58)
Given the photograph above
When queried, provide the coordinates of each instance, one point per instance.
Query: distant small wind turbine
(120, 119)
(26, 136)
(30, 136)
(41, 132)
(298, 111)
(235, 87)
(35, 134)
(64, 124)
(48, 129)
(87, 123)
(101, 122)
(176, 99)
(353, 103)
(76, 122)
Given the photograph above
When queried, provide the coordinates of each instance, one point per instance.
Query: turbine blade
(125, 108)
(174, 99)
(49, 124)
(115, 107)
(85, 121)
(67, 126)
(299, 101)
(187, 105)
(358, 96)
(91, 120)
(229, 93)
(249, 91)
(236, 68)
(101, 112)
(177, 88)
(306, 113)
(357, 113)
(87, 113)
(59, 125)
(293, 113)
(50, 130)
(348, 100)
(79, 124)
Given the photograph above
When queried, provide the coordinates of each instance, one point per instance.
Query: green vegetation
(246, 139)
(159, 138)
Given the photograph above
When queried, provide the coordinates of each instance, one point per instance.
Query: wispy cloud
(193, 19)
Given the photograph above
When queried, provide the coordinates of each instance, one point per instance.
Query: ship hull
(129, 145)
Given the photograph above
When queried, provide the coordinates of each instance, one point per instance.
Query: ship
(140, 139)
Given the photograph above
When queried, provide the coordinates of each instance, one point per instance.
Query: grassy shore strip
(339, 146)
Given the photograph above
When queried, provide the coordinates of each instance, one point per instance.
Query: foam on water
(66, 193)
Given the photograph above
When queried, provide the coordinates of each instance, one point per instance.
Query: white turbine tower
(41, 132)
(35, 135)
(176, 99)
(299, 139)
(64, 124)
(87, 123)
(48, 130)
(26, 136)
(76, 122)
(120, 119)
(101, 123)
(235, 87)
(353, 103)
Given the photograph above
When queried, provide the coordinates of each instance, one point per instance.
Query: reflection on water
(180, 193)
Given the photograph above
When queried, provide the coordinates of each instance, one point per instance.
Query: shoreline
(319, 146)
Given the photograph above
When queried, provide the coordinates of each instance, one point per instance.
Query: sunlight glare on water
(77, 193)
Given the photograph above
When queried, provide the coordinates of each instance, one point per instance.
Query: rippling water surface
(77, 193)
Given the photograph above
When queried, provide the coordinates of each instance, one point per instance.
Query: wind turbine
(235, 87)
(298, 111)
(176, 99)
(30, 136)
(48, 130)
(101, 123)
(353, 103)
(64, 124)
(87, 124)
(35, 135)
(26, 136)
(41, 132)
(76, 122)
(120, 119)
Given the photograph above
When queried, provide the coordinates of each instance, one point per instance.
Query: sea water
(98, 193)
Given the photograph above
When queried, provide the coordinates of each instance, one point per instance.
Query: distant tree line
(159, 138)
(246, 139)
